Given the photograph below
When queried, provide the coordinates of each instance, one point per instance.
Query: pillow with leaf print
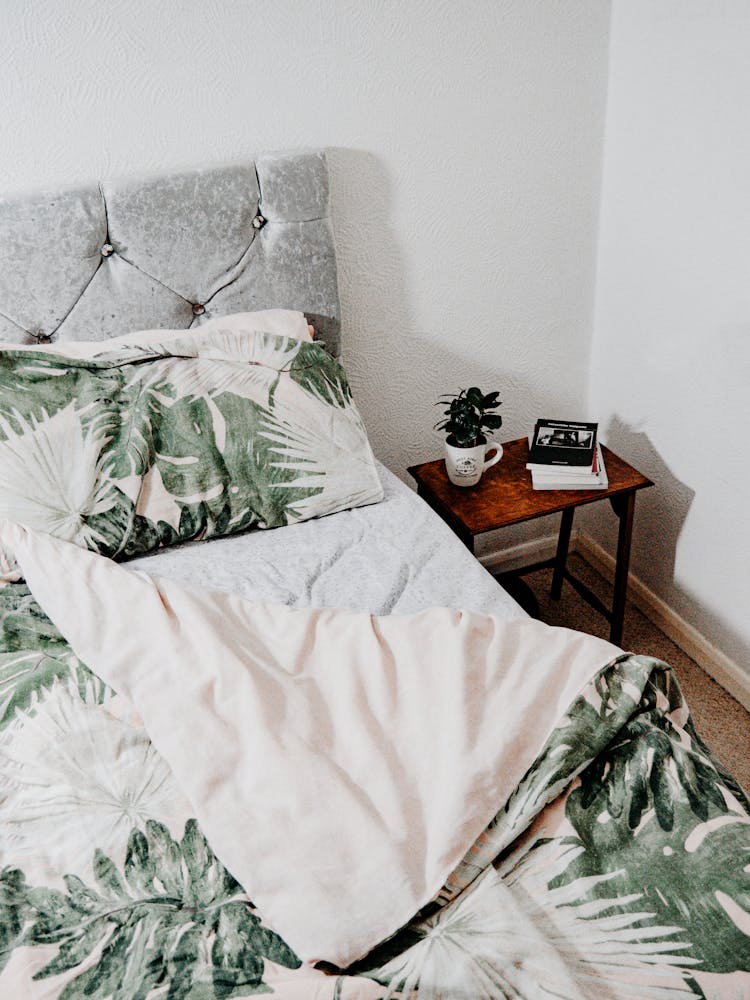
(163, 436)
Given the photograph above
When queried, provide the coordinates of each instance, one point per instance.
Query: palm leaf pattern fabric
(618, 868)
(140, 443)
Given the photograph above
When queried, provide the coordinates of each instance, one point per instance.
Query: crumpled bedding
(618, 867)
(391, 557)
(351, 757)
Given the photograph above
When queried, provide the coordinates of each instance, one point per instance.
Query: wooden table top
(504, 495)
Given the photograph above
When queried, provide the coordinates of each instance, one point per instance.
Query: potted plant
(468, 414)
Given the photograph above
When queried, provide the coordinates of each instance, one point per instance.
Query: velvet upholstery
(170, 251)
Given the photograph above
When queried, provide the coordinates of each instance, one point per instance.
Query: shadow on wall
(660, 514)
(366, 245)
(375, 314)
(661, 511)
(398, 371)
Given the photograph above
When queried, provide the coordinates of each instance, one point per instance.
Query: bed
(302, 746)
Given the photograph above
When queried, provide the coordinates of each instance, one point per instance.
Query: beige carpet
(719, 718)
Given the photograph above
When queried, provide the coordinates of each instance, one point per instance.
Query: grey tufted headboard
(170, 251)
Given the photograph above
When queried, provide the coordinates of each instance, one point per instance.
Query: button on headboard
(170, 252)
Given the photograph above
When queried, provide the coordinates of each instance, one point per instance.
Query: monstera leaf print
(587, 728)
(172, 916)
(34, 657)
(188, 453)
(651, 766)
(596, 716)
(24, 676)
(128, 417)
(251, 497)
(656, 811)
(697, 874)
(23, 624)
(12, 911)
(34, 386)
(319, 375)
(125, 448)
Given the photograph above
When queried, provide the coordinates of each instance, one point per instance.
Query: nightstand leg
(624, 507)
(466, 538)
(561, 556)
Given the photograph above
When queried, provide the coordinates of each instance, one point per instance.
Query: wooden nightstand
(505, 496)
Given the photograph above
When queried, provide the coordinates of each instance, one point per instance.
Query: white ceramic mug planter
(466, 465)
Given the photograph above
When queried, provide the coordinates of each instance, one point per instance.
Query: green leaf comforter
(618, 865)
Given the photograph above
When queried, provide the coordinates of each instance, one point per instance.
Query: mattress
(396, 556)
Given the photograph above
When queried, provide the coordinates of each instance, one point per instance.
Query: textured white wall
(670, 374)
(465, 148)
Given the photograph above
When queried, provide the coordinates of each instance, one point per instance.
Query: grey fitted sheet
(395, 556)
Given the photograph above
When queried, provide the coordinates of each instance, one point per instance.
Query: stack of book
(564, 455)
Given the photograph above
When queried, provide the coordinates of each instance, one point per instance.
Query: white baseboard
(716, 664)
(523, 554)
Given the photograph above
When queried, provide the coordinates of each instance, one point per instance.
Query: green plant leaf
(140, 866)
(254, 467)
(33, 389)
(23, 624)
(634, 774)
(682, 885)
(653, 809)
(492, 421)
(130, 419)
(108, 879)
(588, 727)
(466, 416)
(319, 374)
(34, 656)
(153, 924)
(166, 856)
(25, 677)
(13, 907)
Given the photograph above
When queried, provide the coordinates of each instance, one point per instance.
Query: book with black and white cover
(570, 473)
(557, 478)
(562, 443)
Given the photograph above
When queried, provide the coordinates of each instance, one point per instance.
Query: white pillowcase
(284, 322)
